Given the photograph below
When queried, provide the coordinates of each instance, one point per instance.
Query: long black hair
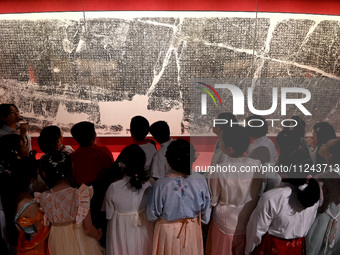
(131, 162)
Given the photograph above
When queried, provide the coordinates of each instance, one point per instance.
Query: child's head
(287, 142)
(235, 141)
(181, 155)
(56, 166)
(50, 139)
(12, 147)
(84, 133)
(131, 162)
(299, 128)
(323, 132)
(160, 131)
(139, 128)
(219, 128)
(330, 151)
(256, 126)
(14, 157)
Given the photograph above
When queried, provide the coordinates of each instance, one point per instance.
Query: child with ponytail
(283, 215)
(67, 209)
(128, 230)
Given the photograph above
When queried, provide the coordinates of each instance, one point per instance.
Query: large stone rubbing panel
(52, 67)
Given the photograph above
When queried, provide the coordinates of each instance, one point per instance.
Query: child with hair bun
(129, 231)
(67, 209)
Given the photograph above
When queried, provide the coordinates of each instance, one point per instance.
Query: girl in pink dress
(67, 209)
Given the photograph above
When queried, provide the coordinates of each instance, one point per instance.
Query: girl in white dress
(129, 232)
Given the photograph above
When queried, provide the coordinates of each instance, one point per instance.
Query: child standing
(179, 202)
(67, 209)
(161, 133)
(261, 148)
(139, 129)
(284, 214)
(324, 235)
(218, 156)
(129, 231)
(90, 166)
(24, 221)
(234, 195)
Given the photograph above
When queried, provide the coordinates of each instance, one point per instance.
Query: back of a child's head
(48, 139)
(181, 155)
(131, 162)
(231, 118)
(310, 194)
(160, 131)
(84, 133)
(324, 132)
(21, 167)
(55, 166)
(334, 149)
(139, 127)
(237, 138)
(11, 149)
(256, 126)
(288, 141)
(298, 125)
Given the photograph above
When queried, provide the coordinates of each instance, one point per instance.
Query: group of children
(151, 202)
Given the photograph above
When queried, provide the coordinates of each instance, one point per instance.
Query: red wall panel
(331, 7)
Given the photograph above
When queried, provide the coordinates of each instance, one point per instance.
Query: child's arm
(30, 212)
(91, 230)
(259, 223)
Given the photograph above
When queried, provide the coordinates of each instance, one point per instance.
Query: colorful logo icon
(204, 96)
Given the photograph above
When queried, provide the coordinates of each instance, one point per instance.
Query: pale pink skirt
(181, 237)
(70, 239)
(219, 243)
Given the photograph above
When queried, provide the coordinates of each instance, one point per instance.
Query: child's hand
(100, 234)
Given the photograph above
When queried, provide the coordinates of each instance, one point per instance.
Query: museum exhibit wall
(67, 61)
